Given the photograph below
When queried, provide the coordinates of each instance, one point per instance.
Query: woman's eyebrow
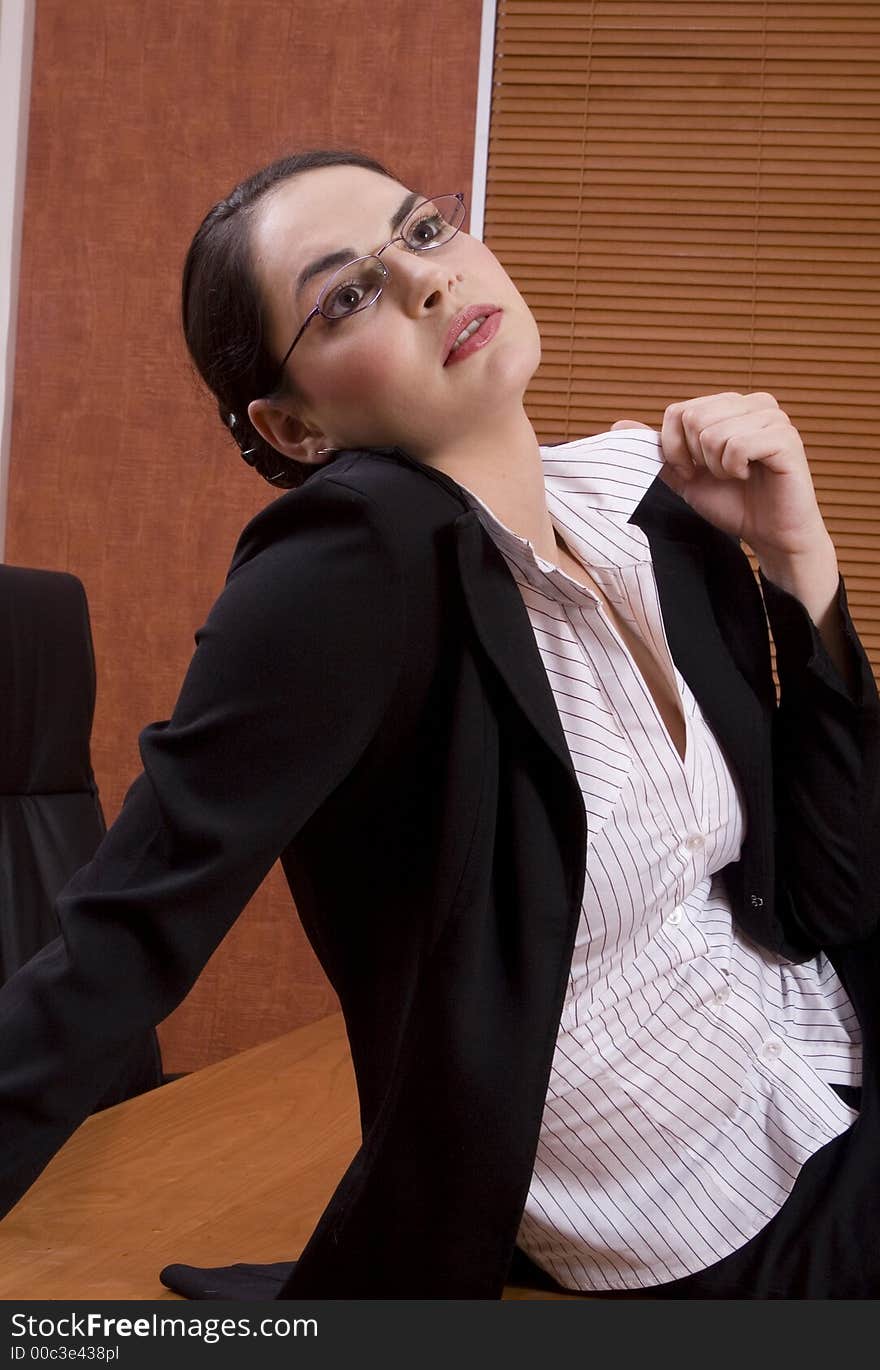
(346, 254)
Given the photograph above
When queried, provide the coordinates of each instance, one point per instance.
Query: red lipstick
(490, 313)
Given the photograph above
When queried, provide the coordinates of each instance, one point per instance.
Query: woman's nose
(424, 279)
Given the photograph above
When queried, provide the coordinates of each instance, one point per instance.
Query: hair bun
(247, 444)
(280, 471)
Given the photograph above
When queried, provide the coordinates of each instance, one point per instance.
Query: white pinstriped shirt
(690, 1080)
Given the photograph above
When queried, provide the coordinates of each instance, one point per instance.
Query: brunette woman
(601, 914)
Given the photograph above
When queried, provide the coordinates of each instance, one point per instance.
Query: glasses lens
(434, 222)
(354, 286)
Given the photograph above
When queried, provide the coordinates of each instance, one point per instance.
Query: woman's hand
(739, 462)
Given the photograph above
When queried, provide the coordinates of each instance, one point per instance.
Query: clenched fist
(739, 462)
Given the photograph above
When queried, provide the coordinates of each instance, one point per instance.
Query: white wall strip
(16, 53)
(484, 111)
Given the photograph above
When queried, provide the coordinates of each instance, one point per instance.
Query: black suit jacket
(367, 701)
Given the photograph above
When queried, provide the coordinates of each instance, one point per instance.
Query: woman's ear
(287, 433)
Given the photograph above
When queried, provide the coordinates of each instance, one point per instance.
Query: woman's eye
(427, 229)
(344, 298)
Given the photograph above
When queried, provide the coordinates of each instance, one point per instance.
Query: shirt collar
(593, 486)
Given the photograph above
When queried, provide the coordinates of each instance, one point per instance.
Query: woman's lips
(484, 334)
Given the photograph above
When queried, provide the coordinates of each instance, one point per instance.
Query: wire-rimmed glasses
(359, 283)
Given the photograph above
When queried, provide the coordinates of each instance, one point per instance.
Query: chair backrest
(47, 683)
(51, 820)
(50, 814)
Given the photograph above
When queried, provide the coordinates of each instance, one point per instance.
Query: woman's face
(377, 378)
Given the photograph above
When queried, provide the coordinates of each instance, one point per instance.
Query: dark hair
(223, 312)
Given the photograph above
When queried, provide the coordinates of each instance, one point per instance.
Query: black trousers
(824, 1243)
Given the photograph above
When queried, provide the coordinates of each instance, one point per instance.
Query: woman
(571, 871)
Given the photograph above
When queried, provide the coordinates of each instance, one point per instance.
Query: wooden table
(193, 1172)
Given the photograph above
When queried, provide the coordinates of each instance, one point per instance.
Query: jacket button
(756, 901)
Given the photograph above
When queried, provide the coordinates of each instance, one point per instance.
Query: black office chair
(51, 819)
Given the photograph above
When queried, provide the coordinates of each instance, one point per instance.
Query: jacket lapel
(677, 539)
(501, 621)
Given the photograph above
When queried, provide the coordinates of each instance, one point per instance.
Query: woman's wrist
(812, 576)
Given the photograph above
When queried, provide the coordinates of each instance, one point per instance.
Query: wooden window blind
(686, 194)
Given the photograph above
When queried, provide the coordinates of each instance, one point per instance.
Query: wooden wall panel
(143, 113)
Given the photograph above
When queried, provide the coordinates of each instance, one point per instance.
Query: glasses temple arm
(283, 362)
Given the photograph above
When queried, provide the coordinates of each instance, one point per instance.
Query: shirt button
(695, 842)
(771, 1049)
(675, 916)
(722, 996)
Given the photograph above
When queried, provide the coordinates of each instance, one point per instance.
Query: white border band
(484, 112)
(16, 56)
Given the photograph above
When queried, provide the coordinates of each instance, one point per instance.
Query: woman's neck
(504, 469)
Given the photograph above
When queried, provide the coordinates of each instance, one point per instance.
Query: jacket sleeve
(292, 674)
(826, 772)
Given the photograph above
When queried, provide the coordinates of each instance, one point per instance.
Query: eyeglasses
(359, 283)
